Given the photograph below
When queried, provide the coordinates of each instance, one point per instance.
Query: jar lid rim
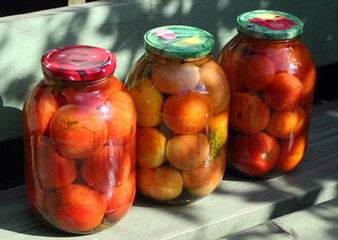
(270, 24)
(178, 41)
(78, 63)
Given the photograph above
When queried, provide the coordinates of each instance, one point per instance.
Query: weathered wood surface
(318, 222)
(119, 26)
(236, 205)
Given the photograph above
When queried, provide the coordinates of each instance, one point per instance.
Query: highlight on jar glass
(80, 140)
(182, 99)
(272, 79)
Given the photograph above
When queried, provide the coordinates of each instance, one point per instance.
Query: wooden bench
(236, 205)
(316, 222)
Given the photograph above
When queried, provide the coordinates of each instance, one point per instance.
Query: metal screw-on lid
(178, 41)
(78, 63)
(268, 24)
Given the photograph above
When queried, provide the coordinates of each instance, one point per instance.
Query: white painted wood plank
(235, 205)
(317, 222)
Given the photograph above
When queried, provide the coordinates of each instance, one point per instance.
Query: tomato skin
(203, 180)
(122, 198)
(150, 147)
(248, 113)
(186, 152)
(216, 83)
(257, 72)
(39, 108)
(52, 170)
(175, 78)
(161, 183)
(254, 154)
(108, 167)
(119, 113)
(148, 102)
(187, 113)
(284, 93)
(76, 208)
(287, 124)
(78, 130)
(292, 152)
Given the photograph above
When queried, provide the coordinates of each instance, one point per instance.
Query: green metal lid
(178, 41)
(268, 24)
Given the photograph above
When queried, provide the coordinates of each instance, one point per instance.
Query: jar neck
(57, 81)
(248, 38)
(158, 58)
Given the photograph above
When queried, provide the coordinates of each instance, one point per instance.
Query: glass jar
(79, 139)
(272, 79)
(181, 96)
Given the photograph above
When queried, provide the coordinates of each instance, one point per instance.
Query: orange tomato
(148, 102)
(287, 124)
(121, 199)
(220, 124)
(230, 60)
(115, 85)
(38, 111)
(187, 113)
(76, 208)
(186, 152)
(216, 83)
(309, 82)
(162, 183)
(150, 147)
(248, 113)
(284, 93)
(291, 153)
(256, 71)
(52, 170)
(253, 154)
(78, 130)
(107, 167)
(203, 180)
(174, 78)
(120, 115)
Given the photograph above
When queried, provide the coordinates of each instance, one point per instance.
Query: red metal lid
(78, 63)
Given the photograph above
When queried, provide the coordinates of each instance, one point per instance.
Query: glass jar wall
(182, 98)
(79, 138)
(272, 79)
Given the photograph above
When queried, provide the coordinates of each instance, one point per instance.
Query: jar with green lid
(182, 97)
(272, 79)
(79, 126)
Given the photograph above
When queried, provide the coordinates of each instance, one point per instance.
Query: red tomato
(119, 112)
(52, 170)
(292, 152)
(78, 130)
(122, 198)
(39, 110)
(108, 167)
(284, 93)
(254, 154)
(76, 208)
(257, 72)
